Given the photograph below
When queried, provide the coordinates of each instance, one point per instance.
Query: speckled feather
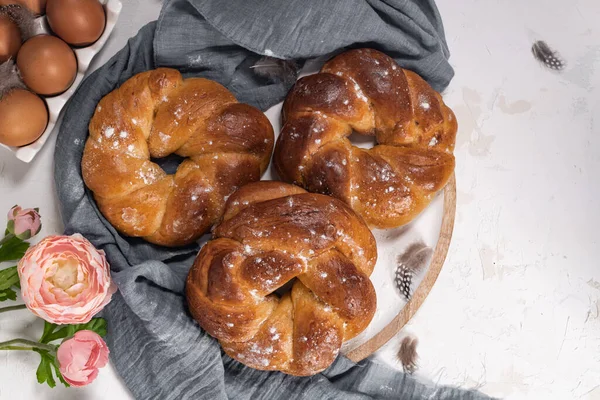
(548, 57)
(9, 78)
(411, 262)
(276, 69)
(407, 354)
(24, 19)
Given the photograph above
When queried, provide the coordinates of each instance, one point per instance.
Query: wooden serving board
(433, 227)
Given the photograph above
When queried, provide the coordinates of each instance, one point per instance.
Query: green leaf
(48, 368)
(9, 278)
(44, 371)
(54, 332)
(59, 334)
(97, 325)
(8, 294)
(48, 329)
(71, 329)
(13, 249)
(50, 378)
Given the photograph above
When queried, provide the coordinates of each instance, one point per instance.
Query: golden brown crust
(154, 114)
(365, 91)
(273, 233)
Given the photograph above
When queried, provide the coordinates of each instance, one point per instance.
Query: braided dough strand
(366, 91)
(157, 113)
(274, 234)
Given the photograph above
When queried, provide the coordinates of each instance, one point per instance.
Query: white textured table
(516, 309)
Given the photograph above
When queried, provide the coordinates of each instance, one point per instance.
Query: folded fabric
(160, 352)
(222, 40)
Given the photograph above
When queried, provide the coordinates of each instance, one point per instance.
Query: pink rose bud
(65, 279)
(80, 357)
(23, 223)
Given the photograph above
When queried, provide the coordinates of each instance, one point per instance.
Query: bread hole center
(362, 141)
(169, 164)
(285, 288)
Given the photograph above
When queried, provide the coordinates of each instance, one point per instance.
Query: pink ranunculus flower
(65, 279)
(80, 357)
(23, 223)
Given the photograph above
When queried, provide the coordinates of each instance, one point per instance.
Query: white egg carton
(84, 56)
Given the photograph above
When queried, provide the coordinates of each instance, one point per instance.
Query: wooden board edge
(437, 261)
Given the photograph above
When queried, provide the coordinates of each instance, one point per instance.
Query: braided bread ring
(154, 114)
(366, 91)
(272, 233)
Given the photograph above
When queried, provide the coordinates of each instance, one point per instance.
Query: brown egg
(10, 38)
(47, 65)
(23, 117)
(77, 22)
(36, 6)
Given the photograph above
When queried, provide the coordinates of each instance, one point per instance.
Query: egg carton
(84, 56)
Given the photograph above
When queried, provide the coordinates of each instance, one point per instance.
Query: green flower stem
(12, 308)
(7, 238)
(16, 348)
(28, 345)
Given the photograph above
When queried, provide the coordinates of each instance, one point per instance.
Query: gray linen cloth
(159, 351)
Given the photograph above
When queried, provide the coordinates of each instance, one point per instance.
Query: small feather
(550, 58)
(9, 78)
(411, 263)
(276, 70)
(21, 16)
(407, 354)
